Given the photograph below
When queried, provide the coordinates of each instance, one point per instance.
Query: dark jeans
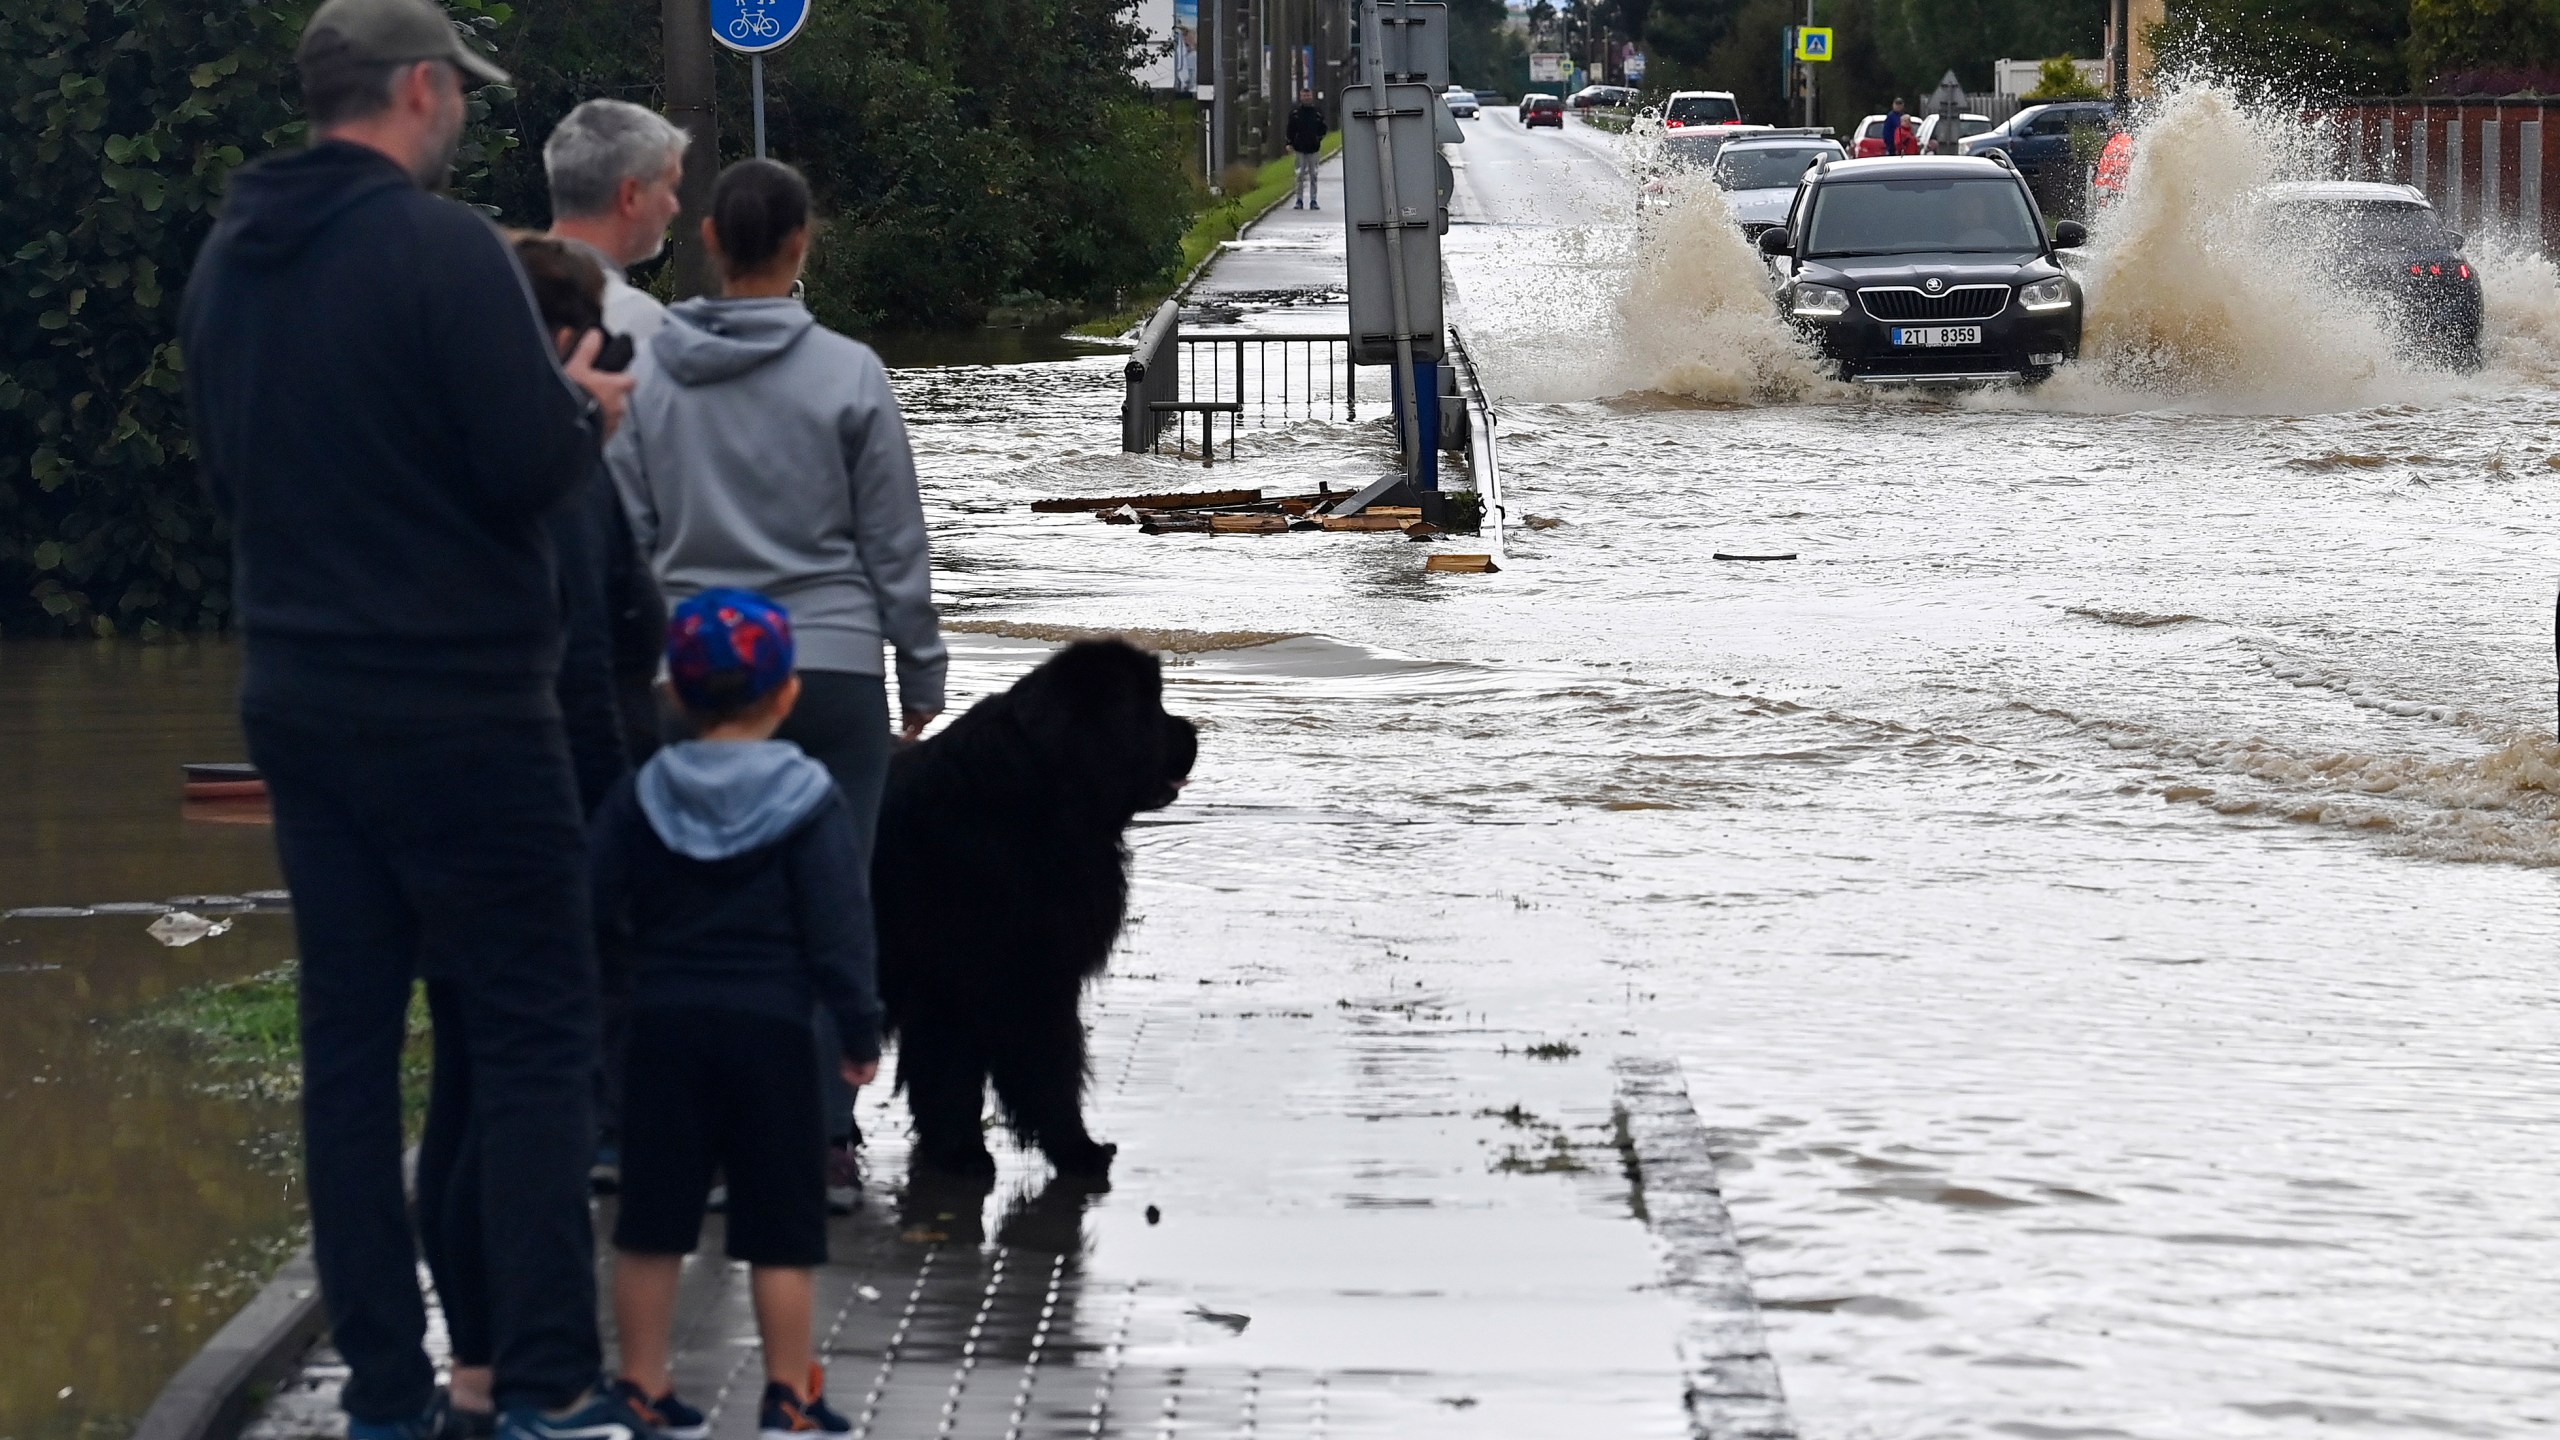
(449, 851)
(842, 720)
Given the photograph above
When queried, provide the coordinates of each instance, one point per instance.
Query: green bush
(125, 118)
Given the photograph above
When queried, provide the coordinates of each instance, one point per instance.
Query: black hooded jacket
(378, 412)
(1307, 129)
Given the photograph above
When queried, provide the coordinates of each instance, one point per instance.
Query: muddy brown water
(140, 1207)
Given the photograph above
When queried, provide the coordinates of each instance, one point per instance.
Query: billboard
(1546, 65)
(1173, 36)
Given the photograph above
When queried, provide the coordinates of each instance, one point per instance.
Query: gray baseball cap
(388, 32)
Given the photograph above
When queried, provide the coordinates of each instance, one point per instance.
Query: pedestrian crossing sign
(1813, 44)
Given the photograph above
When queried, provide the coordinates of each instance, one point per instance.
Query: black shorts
(729, 1093)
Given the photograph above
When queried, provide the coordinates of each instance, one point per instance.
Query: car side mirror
(1777, 240)
(2069, 235)
(2453, 239)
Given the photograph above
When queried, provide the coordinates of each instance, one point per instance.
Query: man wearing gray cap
(382, 419)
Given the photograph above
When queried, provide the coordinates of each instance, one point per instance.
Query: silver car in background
(1759, 175)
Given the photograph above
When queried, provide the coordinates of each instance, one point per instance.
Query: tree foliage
(2060, 79)
(2484, 46)
(966, 152)
(2301, 48)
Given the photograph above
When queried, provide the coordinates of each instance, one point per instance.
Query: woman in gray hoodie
(763, 451)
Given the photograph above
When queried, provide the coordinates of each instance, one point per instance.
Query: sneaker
(785, 1416)
(432, 1423)
(598, 1415)
(675, 1419)
(844, 1176)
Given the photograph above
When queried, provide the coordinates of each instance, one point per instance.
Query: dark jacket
(1307, 129)
(729, 872)
(584, 533)
(380, 415)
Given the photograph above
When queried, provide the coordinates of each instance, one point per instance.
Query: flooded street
(2101, 892)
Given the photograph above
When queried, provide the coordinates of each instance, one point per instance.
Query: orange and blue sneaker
(789, 1416)
(670, 1416)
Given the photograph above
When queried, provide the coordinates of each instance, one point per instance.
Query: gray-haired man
(614, 167)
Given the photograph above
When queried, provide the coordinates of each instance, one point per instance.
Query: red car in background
(1542, 110)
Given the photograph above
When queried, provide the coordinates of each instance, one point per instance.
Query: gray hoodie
(709, 800)
(763, 450)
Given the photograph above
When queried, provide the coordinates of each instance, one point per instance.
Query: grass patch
(247, 1035)
(1225, 217)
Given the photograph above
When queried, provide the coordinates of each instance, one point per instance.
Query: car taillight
(1674, 124)
(2465, 269)
(2435, 269)
(2417, 270)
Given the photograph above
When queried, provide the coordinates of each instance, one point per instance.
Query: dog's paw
(958, 1162)
(1085, 1158)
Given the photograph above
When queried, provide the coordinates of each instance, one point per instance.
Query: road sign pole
(1374, 58)
(755, 63)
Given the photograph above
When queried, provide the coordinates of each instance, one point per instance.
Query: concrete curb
(1730, 1382)
(215, 1395)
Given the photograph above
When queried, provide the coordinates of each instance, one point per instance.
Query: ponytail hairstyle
(755, 205)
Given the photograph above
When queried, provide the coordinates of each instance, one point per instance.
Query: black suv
(1926, 270)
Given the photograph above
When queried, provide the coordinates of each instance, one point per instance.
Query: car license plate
(1938, 335)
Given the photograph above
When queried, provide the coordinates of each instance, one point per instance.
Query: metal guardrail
(1478, 440)
(1271, 378)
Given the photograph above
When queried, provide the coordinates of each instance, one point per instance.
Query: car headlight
(2053, 294)
(1820, 302)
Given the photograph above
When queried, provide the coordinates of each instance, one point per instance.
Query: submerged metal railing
(1269, 379)
(1476, 438)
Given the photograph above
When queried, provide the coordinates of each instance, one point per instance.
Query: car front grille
(1909, 302)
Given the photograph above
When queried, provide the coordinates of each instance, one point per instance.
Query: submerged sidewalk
(1356, 1220)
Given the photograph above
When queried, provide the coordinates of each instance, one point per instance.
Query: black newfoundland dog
(1001, 883)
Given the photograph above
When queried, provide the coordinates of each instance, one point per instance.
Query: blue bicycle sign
(753, 27)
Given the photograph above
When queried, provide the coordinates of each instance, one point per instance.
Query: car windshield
(2345, 225)
(1692, 152)
(1901, 217)
(1701, 110)
(1768, 167)
(1546, 102)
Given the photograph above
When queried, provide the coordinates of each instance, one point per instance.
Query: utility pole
(1807, 68)
(2121, 31)
(685, 41)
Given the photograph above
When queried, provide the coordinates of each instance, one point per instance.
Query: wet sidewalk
(1362, 1220)
(1289, 261)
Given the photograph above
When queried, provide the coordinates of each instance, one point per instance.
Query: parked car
(1967, 125)
(1540, 110)
(1684, 151)
(2387, 243)
(1867, 141)
(1460, 100)
(1601, 97)
(1760, 174)
(2049, 144)
(1688, 109)
(1530, 99)
(1927, 269)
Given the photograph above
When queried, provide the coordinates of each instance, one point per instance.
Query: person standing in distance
(1897, 125)
(1307, 129)
(381, 418)
(614, 167)
(765, 452)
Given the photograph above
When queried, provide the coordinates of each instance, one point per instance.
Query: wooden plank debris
(1207, 498)
(1448, 564)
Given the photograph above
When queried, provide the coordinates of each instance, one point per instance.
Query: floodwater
(2102, 892)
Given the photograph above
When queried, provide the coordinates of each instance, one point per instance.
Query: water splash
(1697, 318)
